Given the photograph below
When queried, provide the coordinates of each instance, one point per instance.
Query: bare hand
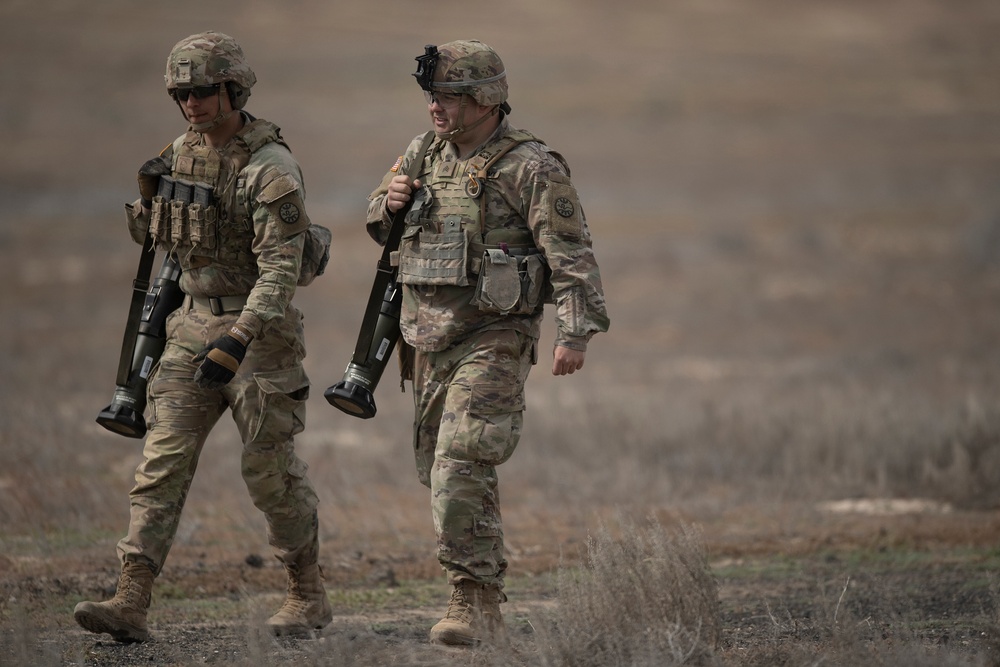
(399, 192)
(566, 361)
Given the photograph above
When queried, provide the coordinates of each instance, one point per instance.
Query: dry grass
(645, 597)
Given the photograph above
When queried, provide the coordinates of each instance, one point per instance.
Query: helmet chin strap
(462, 129)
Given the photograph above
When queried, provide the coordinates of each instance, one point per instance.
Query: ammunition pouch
(185, 213)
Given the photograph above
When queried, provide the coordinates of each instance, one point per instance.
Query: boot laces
(132, 590)
(295, 606)
(459, 608)
(296, 603)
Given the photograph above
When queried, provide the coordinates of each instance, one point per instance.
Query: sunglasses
(199, 92)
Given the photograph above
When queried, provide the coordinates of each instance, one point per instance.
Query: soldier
(494, 231)
(236, 341)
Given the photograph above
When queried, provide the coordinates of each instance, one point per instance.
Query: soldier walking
(495, 230)
(235, 343)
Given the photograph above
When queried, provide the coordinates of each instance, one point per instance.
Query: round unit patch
(288, 212)
(564, 207)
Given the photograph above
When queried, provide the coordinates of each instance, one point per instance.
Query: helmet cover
(206, 59)
(472, 68)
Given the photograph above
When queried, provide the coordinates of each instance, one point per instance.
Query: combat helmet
(465, 66)
(206, 59)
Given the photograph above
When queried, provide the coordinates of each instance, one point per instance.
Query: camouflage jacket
(527, 189)
(255, 245)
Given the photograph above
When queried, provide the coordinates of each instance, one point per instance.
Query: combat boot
(306, 606)
(123, 616)
(473, 616)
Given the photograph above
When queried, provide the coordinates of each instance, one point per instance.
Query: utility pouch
(434, 259)
(159, 220)
(499, 287)
(510, 284)
(203, 221)
(178, 220)
(533, 272)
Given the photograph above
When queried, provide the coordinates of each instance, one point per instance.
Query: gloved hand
(221, 358)
(149, 178)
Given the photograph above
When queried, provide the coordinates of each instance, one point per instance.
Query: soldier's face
(447, 112)
(204, 109)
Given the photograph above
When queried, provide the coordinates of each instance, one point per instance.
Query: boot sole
(299, 630)
(99, 625)
(449, 638)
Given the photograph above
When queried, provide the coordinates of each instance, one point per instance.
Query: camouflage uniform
(253, 259)
(225, 203)
(524, 234)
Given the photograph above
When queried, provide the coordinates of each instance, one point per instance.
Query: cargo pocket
(491, 427)
(281, 406)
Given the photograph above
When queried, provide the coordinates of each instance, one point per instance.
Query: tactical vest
(201, 210)
(448, 227)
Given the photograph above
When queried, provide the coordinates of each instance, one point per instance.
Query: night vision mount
(425, 66)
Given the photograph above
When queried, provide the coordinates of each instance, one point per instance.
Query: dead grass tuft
(645, 597)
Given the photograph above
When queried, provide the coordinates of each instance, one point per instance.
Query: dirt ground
(795, 210)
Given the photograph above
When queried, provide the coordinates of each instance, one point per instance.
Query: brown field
(797, 214)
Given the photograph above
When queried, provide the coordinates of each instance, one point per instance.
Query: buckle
(215, 304)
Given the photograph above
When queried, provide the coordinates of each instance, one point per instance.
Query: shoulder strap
(479, 166)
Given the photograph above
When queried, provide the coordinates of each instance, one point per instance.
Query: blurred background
(794, 205)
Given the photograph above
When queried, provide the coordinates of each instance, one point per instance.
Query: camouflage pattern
(469, 411)
(208, 58)
(257, 254)
(259, 251)
(472, 68)
(528, 189)
(471, 364)
(268, 400)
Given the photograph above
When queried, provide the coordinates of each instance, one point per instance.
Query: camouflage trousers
(267, 398)
(469, 410)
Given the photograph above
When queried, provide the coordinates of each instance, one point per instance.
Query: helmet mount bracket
(425, 66)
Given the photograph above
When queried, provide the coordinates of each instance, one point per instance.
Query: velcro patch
(277, 188)
(564, 204)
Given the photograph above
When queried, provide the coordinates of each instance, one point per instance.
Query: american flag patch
(399, 162)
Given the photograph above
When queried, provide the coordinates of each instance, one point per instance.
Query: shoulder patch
(289, 212)
(562, 200)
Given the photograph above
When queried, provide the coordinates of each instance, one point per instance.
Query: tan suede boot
(473, 616)
(306, 606)
(123, 616)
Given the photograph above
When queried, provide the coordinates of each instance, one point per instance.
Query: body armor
(202, 197)
(449, 229)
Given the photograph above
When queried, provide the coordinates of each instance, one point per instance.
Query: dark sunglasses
(199, 92)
